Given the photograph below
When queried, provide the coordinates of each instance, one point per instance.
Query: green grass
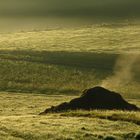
(64, 72)
(39, 69)
(98, 38)
(19, 120)
(43, 71)
(67, 60)
(132, 117)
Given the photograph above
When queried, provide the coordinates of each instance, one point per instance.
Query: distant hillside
(67, 8)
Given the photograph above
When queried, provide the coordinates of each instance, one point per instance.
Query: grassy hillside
(41, 68)
(90, 9)
(19, 120)
(114, 38)
(66, 60)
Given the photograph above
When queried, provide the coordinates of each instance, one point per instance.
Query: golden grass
(99, 38)
(19, 119)
(60, 62)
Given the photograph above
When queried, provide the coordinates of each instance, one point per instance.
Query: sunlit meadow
(51, 51)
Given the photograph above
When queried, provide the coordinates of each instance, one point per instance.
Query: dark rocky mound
(95, 98)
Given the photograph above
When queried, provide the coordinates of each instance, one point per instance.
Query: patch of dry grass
(19, 120)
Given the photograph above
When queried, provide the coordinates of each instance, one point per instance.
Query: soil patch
(95, 98)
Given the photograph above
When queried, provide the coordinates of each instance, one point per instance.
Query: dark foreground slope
(95, 98)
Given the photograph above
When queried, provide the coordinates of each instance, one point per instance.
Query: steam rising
(123, 72)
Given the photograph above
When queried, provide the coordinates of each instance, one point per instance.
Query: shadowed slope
(95, 98)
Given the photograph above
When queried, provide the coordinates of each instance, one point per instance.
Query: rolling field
(41, 68)
(19, 120)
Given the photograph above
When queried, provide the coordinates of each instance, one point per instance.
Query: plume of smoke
(123, 72)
